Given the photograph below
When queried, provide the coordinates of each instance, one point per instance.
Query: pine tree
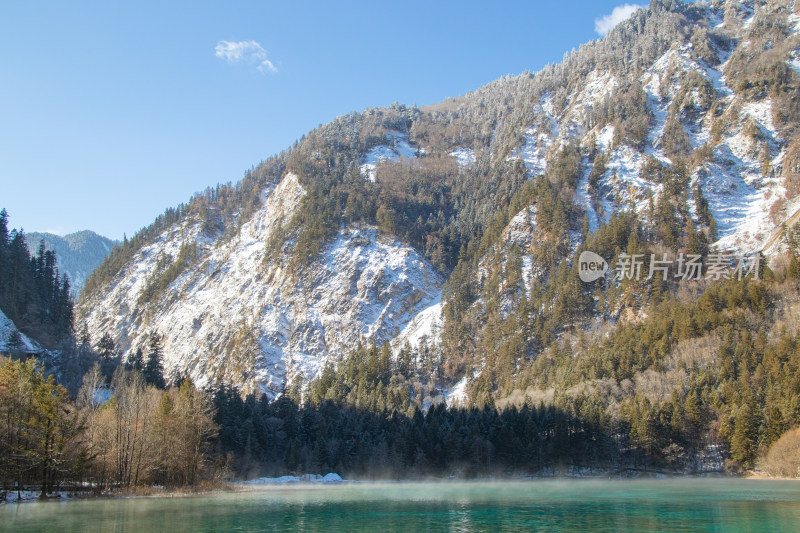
(84, 338)
(744, 442)
(136, 361)
(14, 342)
(154, 369)
(106, 347)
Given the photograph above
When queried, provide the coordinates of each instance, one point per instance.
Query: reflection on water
(652, 505)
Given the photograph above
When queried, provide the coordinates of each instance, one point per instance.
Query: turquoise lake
(718, 504)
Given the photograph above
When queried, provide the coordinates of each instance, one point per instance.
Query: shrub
(783, 458)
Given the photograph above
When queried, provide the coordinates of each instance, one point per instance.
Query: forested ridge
(33, 294)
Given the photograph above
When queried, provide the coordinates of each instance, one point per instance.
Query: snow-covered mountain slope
(742, 175)
(667, 97)
(233, 316)
(735, 152)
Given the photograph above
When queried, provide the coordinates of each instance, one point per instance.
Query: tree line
(112, 436)
(273, 438)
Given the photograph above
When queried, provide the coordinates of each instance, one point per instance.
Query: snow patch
(427, 324)
(28, 496)
(794, 55)
(606, 138)
(539, 138)
(520, 228)
(396, 149)
(596, 87)
(457, 395)
(328, 479)
(761, 113)
(584, 200)
(794, 20)
(8, 330)
(464, 156)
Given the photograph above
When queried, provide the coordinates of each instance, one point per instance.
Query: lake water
(641, 505)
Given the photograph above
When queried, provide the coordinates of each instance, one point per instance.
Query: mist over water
(597, 505)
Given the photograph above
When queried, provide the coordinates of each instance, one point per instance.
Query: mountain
(452, 230)
(78, 253)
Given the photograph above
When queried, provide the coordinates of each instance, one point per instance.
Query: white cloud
(240, 51)
(606, 23)
(245, 52)
(267, 65)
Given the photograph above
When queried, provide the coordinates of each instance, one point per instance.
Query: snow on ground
(457, 395)
(620, 186)
(584, 199)
(652, 85)
(7, 330)
(717, 77)
(520, 228)
(761, 113)
(528, 273)
(464, 156)
(520, 232)
(549, 132)
(625, 164)
(399, 141)
(606, 138)
(25, 496)
(328, 479)
(379, 282)
(539, 138)
(715, 17)
(427, 324)
(794, 20)
(794, 60)
(739, 195)
(741, 210)
(102, 395)
(661, 91)
(535, 150)
(376, 155)
(596, 87)
(396, 149)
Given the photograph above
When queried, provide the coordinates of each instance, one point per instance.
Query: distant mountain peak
(78, 253)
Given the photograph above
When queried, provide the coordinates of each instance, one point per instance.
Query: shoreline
(31, 496)
(302, 484)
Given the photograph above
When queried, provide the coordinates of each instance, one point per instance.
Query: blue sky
(113, 111)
